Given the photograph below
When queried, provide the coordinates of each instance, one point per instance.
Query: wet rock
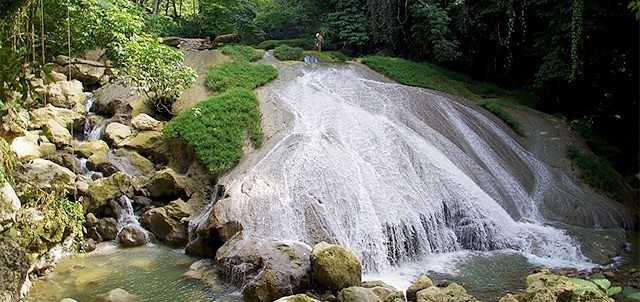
(105, 189)
(164, 184)
(101, 162)
(107, 228)
(384, 291)
(297, 298)
(57, 134)
(146, 142)
(335, 267)
(89, 245)
(65, 117)
(136, 160)
(453, 292)
(546, 286)
(268, 269)
(89, 148)
(116, 133)
(90, 220)
(25, 149)
(45, 174)
(357, 294)
(146, 122)
(112, 99)
(13, 269)
(118, 295)
(9, 203)
(213, 232)
(420, 284)
(206, 272)
(168, 223)
(131, 236)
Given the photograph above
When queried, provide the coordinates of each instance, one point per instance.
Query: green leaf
(603, 283)
(613, 290)
(631, 292)
(584, 284)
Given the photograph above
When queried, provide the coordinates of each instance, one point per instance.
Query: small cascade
(128, 221)
(93, 124)
(309, 58)
(196, 221)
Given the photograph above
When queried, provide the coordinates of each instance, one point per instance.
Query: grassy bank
(239, 74)
(242, 53)
(597, 172)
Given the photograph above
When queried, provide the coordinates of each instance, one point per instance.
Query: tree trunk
(155, 7)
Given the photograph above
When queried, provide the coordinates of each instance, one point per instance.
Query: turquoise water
(153, 273)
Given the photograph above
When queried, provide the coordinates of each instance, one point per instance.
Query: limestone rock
(64, 159)
(384, 291)
(89, 148)
(100, 162)
(45, 173)
(145, 142)
(13, 269)
(297, 298)
(420, 284)
(87, 71)
(167, 223)
(112, 98)
(9, 203)
(335, 267)
(268, 269)
(546, 286)
(118, 295)
(146, 122)
(138, 161)
(15, 123)
(116, 133)
(164, 184)
(57, 134)
(65, 117)
(107, 228)
(47, 149)
(451, 293)
(214, 231)
(56, 97)
(105, 189)
(358, 294)
(25, 149)
(131, 236)
(206, 272)
(57, 76)
(73, 92)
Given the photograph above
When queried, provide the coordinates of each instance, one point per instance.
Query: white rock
(9, 202)
(25, 149)
(65, 117)
(57, 134)
(57, 76)
(116, 133)
(145, 122)
(43, 173)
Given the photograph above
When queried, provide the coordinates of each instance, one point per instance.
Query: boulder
(64, 159)
(87, 71)
(420, 284)
(104, 190)
(112, 99)
(267, 269)
(14, 123)
(107, 228)
(116, 133)
(131, 236)
(168, 223)
(14, 267)
(25, 149)
(206, 272)
(451, 293)
(57, 134)
(164, 184)
(213, 232)
(89, 148)
(9, 202)
(297, 298)
(65, 117)
(358, 294)
(73, 92)
(146, 142)
(546, 286)
(118, 295)
(56, 97)
(145, 122)
(137, 161)
(44, 174)
(57, 76)
(101, 162)
(46, 149)
(335, 267)
(385, 291)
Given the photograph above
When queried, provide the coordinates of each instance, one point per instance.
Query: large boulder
(14, 123)
(64, 159)
(131, 236)
(451, 293)
(420, 284)
(145, 122)
(113, 98)
(136, 161)
(25, 149)
(87, 71)
(164, 184)
(45, 174)
(65, 94)
(101, 162)
(266, 269)
(206, 272)
(57, 134)
(370, 291)
(118, 295)
(297, 298)
(213, 231)
(65, 117)
(9, 203)
(116, 133)
(546, 286)
(104, 190)
(146, 142)
(89, 148)
(335, 267)
(106, 229)
(14, 267)
(168, 223)
(56, 97)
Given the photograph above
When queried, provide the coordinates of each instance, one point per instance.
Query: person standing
(319, 41)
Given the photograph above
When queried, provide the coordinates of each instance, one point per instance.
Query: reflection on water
(153, 273)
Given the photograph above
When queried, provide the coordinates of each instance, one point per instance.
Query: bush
(239, 74)
(504, 115)
(215, 128)
(301, 43)
(597, 172)
(242, 53)
(339, 56)
(285, 52)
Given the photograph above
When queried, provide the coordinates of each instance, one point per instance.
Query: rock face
(131, 236)
(335, 267)
(9, 203)
(13, 269)
(546, 286)
(118, 295)
(167, 223)
(45, 173)
(451, 293)
(420, 284)
(268, 269)
(103, 190)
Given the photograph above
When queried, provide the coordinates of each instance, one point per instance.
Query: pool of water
(153, 273)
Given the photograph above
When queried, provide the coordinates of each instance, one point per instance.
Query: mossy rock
(335, 267)
(105, 189)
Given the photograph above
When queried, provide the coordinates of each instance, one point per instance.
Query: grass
(285, 52)
(239, 74)
(242, 53)
(504, 115)
(597, 172)
(215, 128)
(272, 44)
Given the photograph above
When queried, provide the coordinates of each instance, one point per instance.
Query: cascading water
(398, 173)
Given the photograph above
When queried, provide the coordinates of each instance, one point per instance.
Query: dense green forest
(579, 57)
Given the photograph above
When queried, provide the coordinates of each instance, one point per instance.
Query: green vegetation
(239, 74)
(285, 52)
(503, 114)
(598, 284)
(597, 172)
(216, 127)
(272, 44)
(242, 53)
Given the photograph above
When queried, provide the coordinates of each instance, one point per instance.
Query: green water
(153, 273)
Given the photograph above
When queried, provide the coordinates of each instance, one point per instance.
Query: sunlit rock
(335, 267)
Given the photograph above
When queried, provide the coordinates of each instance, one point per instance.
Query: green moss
(272, 44)
(285, 52)
(8, 163)
(597, 172)
(504, 115)
(239, 74)
(242, 53)
(215, 128)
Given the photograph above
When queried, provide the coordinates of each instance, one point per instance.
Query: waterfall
(399, 173)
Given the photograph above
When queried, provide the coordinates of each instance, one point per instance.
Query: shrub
(272, 44)
(504, 115)
(597, 172)
(339, 56)
(239, 74)
(242, 53)
(285, 52)
(215, 128)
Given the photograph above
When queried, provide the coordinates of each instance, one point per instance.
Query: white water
(400, 174)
